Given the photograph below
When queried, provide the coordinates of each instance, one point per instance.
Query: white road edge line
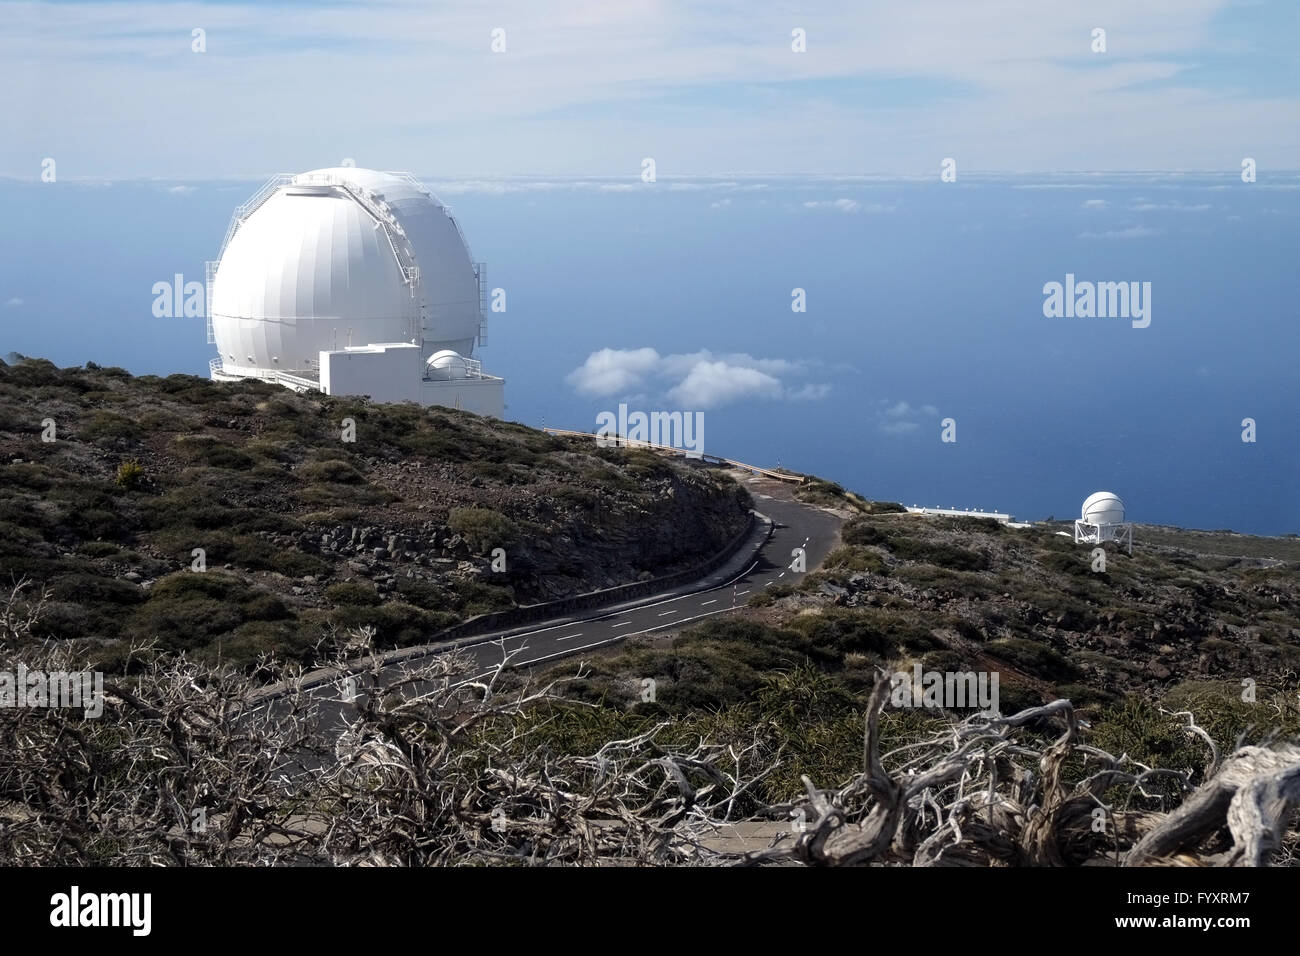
(621, 637)
(434, 650)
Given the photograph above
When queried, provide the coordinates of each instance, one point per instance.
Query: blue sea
(924, 302)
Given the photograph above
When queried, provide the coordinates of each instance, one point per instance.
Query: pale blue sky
(112, 89)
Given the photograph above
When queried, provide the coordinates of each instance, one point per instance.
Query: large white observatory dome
(1103, 508)
(341, 258)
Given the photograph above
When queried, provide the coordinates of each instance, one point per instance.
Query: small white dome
(447, 365)
(1103, 508)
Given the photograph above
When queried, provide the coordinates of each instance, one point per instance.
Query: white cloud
(1173, 206)
(182, 190)
(1095, 204)
(13, 303)
(585, 86)
(809, 393)
(697, 380)
(611, 371)
(710, 384)
(510, 185)
(902, 418)
(898, 427)
(848, 206)
(842, 205)
(1132, 232)
(676, 366)
(720, 204)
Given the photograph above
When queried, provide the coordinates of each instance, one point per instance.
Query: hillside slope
(303, 531)
(963, 593)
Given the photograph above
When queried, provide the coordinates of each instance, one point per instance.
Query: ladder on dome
(380, 212)
(247, 209)
(410, 180)
(207, 298)
(480, 273)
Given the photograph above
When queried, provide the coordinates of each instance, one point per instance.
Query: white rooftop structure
(324, 274)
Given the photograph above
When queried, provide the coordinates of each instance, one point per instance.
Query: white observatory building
(1102, 520)
(352, 282)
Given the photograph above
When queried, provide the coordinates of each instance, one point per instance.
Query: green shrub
(1137, 728)
(243, 646)
(36, 477)
(1082, 695)
(395, 624)
(965, 583)
(244, 551)
(483, 528)
(474, 597)
(860, 532)
(97, 521)
(130, 474)
(332, 471)
(353, 592)
(187, 610)
(209, 451)
(97, 589)
(1225, 716)
(944, 555)
(109, 425)
(855, 558)
(332, 495)
(98, 549)
(1032, 657)
(1077, 564)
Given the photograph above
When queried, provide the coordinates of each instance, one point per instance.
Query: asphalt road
(795, 525)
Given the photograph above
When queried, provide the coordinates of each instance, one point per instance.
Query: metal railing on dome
(410, 180)
(473, 369)
(383, 216)
(217, 367)
(247, 209)
(207, 298)
(377, 209)
(480, 273)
